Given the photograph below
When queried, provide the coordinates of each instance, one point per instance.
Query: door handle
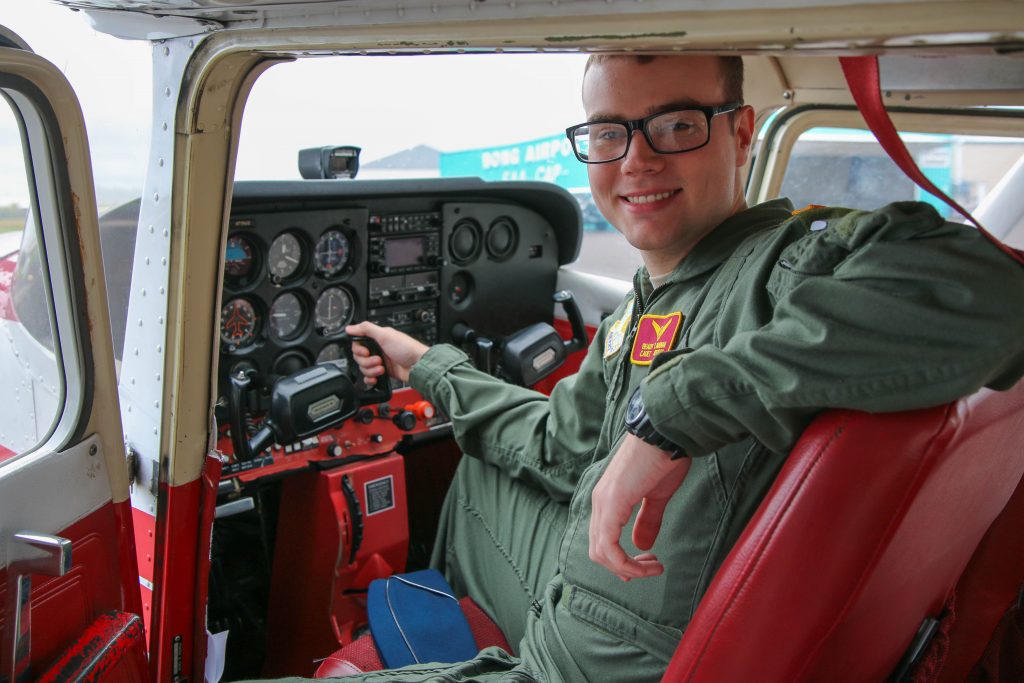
(28, 553)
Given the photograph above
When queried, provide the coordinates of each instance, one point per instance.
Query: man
(744, 323)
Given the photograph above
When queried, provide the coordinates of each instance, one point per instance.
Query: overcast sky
(383, 104)
(111, 78)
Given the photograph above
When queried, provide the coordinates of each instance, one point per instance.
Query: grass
(11, 224)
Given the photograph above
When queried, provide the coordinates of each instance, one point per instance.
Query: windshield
(492, 116)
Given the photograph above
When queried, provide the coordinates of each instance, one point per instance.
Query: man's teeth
(647, 198)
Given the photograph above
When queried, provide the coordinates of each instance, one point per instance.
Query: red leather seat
(361, 654)
(863, 535)
(989, 586)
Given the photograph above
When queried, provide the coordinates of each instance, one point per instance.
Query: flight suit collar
(721, 242)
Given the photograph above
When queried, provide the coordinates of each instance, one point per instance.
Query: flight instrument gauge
(286, 315)
(334, 310)
(333, 353)
(238, 259)
(332, 253)
(330, 352)
(285, 256)
(238, 323)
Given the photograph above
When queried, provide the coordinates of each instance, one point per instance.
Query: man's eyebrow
(656, 109)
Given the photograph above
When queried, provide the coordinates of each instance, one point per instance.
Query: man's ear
(744, 133)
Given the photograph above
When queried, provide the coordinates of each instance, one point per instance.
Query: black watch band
(638, 423)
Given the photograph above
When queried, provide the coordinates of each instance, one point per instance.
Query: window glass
(604, 251)
(117, 118)
(847, 167)
(497, 117)
(30, 371)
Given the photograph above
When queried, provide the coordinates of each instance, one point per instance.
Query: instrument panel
(304, 259)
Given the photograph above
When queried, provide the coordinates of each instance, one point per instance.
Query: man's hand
(638, 473)
(400, 350)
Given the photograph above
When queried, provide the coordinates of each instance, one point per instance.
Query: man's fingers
(400, 350)
(648, 523)
(604, 543)
(364, 329)
(605, 549)
(370, 365)
(614, 559)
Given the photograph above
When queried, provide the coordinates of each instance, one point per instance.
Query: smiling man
(664, 204)
(742, 325)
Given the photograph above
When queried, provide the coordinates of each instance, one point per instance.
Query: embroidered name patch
(617, 332)
(654, 334)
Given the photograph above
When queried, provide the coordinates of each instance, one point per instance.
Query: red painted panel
(208, 506)
(131, 596)
(63, 607)
(112, 648)
(144, 526)
(171, 640)
(317, 596)
(378, 437)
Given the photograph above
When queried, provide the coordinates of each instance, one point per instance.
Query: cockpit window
(28, 292)
(30, 369)
(847, 167)
(491, 116)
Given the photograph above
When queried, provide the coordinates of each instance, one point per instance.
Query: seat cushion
(361, 654)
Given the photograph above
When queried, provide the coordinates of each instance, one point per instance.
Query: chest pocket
(814, 255)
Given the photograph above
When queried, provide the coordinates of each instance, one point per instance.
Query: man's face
(665, 203)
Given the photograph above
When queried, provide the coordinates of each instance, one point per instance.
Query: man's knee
(498, 542)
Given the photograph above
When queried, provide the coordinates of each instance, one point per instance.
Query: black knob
(405, 420)
(364, 416)
(377, 438)
(334, 450)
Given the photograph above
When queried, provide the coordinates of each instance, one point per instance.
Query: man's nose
(640, 158)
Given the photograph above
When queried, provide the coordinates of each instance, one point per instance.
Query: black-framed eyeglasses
(667, 132)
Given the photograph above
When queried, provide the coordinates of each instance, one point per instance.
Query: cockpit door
(69, 591)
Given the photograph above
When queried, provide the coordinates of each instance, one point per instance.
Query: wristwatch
(638, 423)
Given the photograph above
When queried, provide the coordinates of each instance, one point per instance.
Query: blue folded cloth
(415, 618)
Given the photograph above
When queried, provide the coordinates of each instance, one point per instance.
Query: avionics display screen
(404, 251)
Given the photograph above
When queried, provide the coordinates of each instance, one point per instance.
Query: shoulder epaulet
(809, 207)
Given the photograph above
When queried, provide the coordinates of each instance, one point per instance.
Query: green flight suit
(781, 316)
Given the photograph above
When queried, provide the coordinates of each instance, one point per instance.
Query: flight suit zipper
(619, 383)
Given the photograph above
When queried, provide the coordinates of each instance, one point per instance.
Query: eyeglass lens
(674, 131)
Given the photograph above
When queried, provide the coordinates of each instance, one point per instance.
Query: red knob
(423, 410)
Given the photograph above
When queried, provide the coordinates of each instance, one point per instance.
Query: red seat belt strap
(862, 78)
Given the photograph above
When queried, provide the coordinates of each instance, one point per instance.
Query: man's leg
(498, 543)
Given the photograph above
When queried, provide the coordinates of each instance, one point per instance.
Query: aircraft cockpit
(192, 464)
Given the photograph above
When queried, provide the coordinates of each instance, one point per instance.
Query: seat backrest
(986, 590)
(867, 528)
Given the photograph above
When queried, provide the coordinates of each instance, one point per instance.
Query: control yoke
(533, 353)
(304, 403)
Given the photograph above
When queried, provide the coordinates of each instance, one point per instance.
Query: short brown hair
(731, 68)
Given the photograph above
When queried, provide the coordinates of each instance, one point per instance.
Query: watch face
(635, 408)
